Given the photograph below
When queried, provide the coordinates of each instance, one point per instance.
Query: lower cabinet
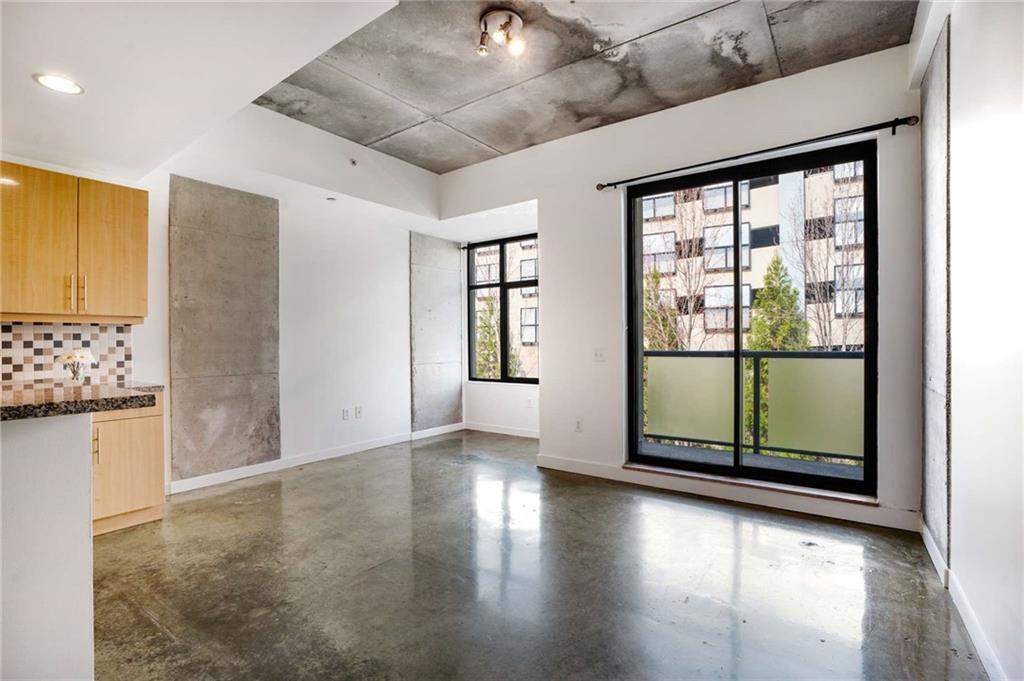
(127, 468)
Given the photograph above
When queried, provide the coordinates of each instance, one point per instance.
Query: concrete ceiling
(410, 85)
(157, 75)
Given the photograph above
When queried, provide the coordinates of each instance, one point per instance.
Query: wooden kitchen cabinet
(39, 249)
(127, 468)
(74, 249)
(113, 234)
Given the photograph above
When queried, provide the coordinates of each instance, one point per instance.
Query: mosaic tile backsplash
(28, 350)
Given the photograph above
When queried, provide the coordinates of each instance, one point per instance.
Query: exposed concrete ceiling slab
(812, 34)
(410, 84)
(436, 147)
(334, 101)
(423, 54)
(716, 52)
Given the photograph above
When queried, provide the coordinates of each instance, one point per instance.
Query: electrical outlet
(359, 412)
(599, 354)
(344, 414)
(579, 425)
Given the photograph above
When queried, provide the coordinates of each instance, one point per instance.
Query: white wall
(510, 408)
(986, 509)
(582, 255)
(344, 280)
(344, 333)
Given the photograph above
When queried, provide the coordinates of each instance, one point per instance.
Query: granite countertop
(58, 398)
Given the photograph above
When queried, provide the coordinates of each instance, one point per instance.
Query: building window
(528, 268)
(854, 170)
(660, 252)
(504, 314)
(528, 317)
(719, 197)
(663, 206)
(667, 297)
(719, 311)
(848, 217)
(849, 286)
(719, 253)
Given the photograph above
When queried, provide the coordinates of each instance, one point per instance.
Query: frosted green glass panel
(690, 397)
(816, 404)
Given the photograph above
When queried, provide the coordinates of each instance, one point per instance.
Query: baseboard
(502, 430)
(938, 560)
(985, 650)
(188, 484)
(769, 498)
(440, 430)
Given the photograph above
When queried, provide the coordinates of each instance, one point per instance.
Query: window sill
(829, 495)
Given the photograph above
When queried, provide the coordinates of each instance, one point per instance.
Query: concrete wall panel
(435, 317)
(223, 252)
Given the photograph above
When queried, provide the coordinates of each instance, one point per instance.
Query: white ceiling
(156, 75)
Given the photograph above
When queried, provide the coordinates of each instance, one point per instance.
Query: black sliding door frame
(865, 151)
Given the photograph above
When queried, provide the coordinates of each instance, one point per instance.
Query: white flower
(79, 356)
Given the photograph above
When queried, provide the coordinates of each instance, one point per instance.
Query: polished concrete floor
(456, 558)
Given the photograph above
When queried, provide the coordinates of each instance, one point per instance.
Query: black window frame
(504, 286)
(866, 151)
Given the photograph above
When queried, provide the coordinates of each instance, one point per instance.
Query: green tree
(777, 323)
(488, 341)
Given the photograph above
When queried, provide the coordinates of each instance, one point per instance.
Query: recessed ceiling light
(57, 83)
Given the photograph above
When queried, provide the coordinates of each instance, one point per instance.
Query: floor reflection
(456, 558)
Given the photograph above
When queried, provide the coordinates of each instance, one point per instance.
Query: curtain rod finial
(913, 120)
(600, 186)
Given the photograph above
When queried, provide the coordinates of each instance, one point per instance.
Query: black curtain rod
(893, 124)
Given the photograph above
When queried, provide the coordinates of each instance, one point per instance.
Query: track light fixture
(502, 27)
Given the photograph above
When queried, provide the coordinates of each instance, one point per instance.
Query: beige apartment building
(812, 220)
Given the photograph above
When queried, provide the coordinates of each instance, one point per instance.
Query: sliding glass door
(752, 320)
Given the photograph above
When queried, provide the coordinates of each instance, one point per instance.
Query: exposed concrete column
(435, 318)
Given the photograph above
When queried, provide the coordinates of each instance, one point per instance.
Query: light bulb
(516, 46)
(499, 36)
(482, 50)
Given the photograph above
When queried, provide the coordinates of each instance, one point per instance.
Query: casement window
(719, 254)
(848, 217)
(719, 197)
(849, 286)
(853, 170)
(663, 206)
(719, 311)
(660, 252)
(504, 310)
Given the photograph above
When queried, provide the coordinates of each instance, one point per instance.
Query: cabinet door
(39, 216)
(113, 233)
(127, 465)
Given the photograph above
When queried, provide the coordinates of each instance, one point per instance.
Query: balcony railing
(802, 404)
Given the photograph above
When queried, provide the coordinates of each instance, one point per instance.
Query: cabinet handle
(72, 293)
(97, 441)
(85, 294)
